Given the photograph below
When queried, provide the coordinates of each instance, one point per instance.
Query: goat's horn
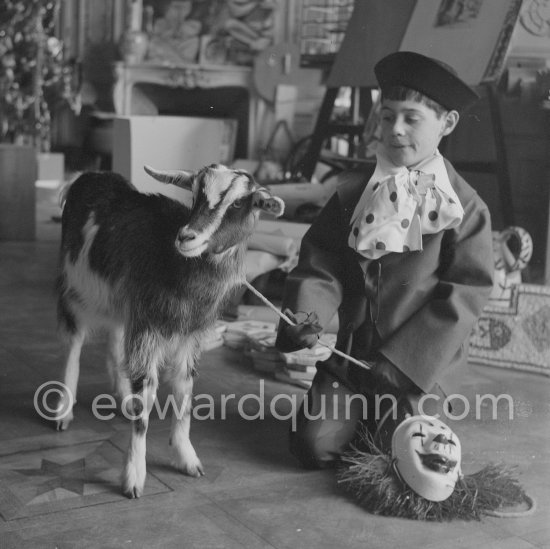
(175, 177)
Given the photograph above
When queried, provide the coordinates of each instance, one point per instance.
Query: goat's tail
(64, 191)
(62, 196)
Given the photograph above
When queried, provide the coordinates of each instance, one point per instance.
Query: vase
(133, 46)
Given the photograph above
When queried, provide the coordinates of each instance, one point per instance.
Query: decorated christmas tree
(35, 78)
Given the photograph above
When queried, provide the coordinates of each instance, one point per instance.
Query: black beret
(431, 77)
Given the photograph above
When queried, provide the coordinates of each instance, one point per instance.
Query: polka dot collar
(399, 205)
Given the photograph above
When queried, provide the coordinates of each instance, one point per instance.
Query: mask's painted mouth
(437, 463)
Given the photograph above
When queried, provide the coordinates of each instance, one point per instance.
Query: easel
(325, 129)
(350, 69)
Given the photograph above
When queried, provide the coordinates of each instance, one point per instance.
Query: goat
(156, 274)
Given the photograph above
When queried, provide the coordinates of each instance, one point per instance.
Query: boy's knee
(318, 445)
(324, 427)
(310, 454)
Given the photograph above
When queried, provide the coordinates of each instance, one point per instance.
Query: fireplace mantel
(188, 76)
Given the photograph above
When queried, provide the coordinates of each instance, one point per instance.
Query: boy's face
(411, 131)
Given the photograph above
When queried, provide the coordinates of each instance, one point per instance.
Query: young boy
(404, 254)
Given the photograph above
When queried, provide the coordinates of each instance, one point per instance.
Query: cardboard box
(51, 168)
(170, 143)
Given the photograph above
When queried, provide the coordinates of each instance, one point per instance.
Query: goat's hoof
(192, 469)
(63, 423)
(133, 480)
(132, 492)
(199, 471)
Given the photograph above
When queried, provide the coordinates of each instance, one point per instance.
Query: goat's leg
(72, 330)
(186, 459)
(67, 398)
(144, 393)
(115, 366)
(144, 357)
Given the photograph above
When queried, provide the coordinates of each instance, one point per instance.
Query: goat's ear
(179, 178)
(265, 201)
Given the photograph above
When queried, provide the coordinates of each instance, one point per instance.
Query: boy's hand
(306, 331)
(387, 372)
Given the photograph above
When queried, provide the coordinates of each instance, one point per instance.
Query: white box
(170, 143)
(51, 168)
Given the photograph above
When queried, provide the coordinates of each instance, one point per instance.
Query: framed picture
(443, 28)
(323, 26)
(532, 35)
(213, 32)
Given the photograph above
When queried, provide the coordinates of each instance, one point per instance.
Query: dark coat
(416, 308)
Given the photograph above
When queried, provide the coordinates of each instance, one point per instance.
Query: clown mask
(427, 456)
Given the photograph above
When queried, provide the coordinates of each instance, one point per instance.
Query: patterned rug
(515, 331)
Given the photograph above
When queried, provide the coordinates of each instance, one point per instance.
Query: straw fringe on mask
(370, 477)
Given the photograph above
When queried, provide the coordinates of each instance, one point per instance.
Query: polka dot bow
(399, 210)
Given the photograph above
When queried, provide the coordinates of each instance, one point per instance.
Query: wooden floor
(61, 489)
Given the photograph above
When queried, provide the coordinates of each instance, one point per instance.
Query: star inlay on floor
(46, 481)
